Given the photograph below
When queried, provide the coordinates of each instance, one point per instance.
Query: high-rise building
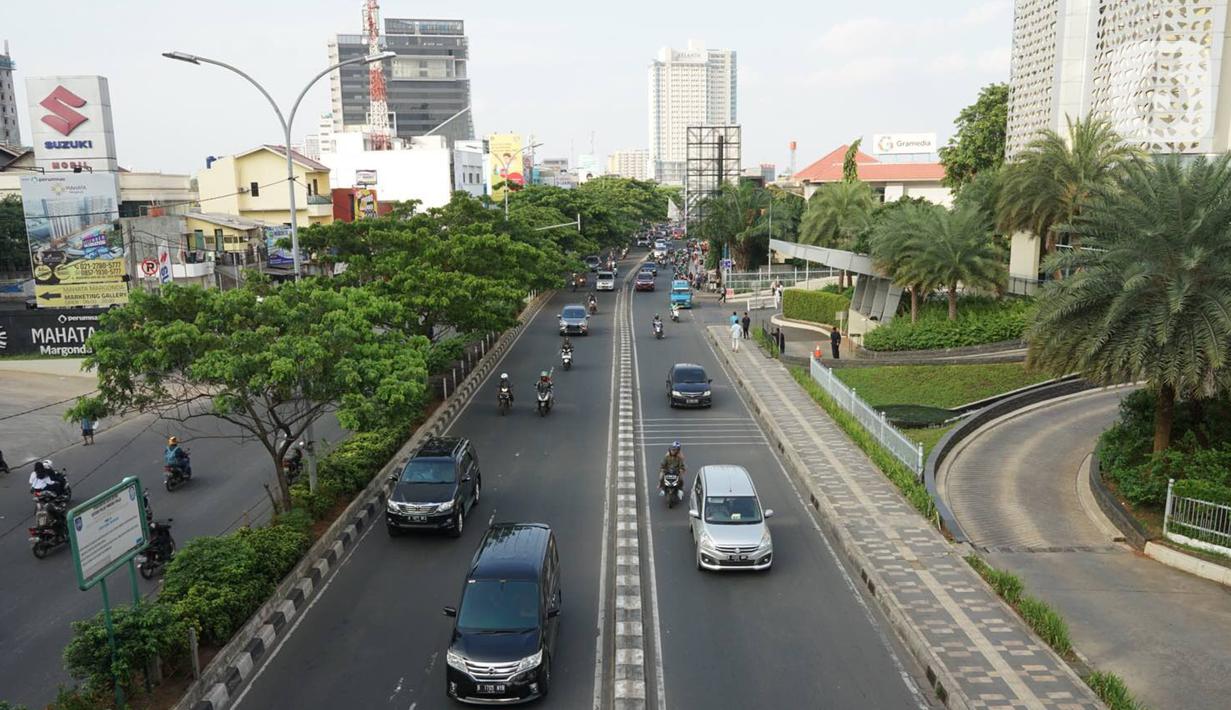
(633, 164)
(427, 82)
(322, 141)
(693, 87)
(10, 132)
(1151, 67)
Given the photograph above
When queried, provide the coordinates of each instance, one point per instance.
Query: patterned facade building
(1151, 67)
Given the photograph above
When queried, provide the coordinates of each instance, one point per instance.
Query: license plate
(692, 400)
(737, 558)
(418, 518)
(491, 687)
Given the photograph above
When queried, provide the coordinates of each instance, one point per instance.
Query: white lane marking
(371, 526)
(855, 590)
(660, 690)
(599, 643)
(398, 689)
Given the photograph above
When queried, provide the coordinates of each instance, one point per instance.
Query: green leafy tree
(982, 192)
(269, 359)
(1149, 297)
(1047, 185)
(14, 249)
(850, 168)
(978, 144)
(735, 218)
(959, 250)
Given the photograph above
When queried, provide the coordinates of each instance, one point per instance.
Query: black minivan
(504, 635)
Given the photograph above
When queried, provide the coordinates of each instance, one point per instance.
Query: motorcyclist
(176, 457)
(566, 346)
(46, 478)
(544, 384)
(658, 323)
(573, 280)
(675, 311)
(506, 386)
(673, 462)
(593, 301)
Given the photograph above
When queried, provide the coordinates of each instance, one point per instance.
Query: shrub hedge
(813, 306)
(142, 633)
(980, 320)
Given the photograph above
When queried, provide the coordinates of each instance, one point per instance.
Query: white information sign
(903, 143)
(107, 530)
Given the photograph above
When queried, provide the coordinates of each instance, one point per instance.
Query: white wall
(468, 172)
(930, 191)
(420, 172)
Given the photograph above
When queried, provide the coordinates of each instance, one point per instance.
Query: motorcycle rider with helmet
(46, 478)
(673, 462)
(176, 457)
(505, 387)
(566, 346)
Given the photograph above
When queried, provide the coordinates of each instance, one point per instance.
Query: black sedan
(688, 386)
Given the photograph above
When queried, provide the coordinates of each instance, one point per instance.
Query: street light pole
(506, 165)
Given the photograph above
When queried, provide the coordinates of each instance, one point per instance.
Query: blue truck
(681, 293)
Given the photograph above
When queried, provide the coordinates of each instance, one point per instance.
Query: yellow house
(253, 185)
(214, 232)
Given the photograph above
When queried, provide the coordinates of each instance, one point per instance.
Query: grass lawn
(928, 437)
(944, 386)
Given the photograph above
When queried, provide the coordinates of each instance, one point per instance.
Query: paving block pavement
(976, 651)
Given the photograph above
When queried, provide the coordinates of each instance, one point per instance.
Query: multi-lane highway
(39, 598)
(800, 635)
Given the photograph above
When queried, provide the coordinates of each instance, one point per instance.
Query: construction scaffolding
(712, 157)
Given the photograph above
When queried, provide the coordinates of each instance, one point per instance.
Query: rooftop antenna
(378, 106)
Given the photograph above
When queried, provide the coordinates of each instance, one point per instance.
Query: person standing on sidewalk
(835, 341)
(745, 324)
(736, 336)
(734, 318)
(87, 431)
(780, 340)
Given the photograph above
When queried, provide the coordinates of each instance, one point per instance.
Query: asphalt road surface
(798, 636)
(39, 598)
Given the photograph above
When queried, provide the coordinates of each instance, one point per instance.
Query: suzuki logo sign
(61, 103)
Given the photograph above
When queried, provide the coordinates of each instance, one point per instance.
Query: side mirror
(393, 477)
(710, 380)
(769, 512)
(450, 611)
(553, 612)
(559, 316)
(692, 513)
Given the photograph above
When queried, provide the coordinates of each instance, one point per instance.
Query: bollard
(455, 379)
(444, 386)
(193, 650)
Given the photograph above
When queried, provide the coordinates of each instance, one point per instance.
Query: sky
(821, 72)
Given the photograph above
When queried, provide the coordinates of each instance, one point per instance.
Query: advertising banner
(365, 204)
(164, 264)
(365, 178)
(47, 333)
(504, 153)
(76, 250)
(279, 257)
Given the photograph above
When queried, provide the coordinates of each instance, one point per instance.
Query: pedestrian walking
(780, 340)
(734, 319)
(835, 340)
(777, 296)
(87, 431)
(722, 292)
(745, 323)
(736, 336)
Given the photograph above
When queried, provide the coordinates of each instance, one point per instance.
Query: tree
(270, 359)
(1149, 297)
(850, 168)
(14, 249)
(1052, 179)
(978, 143)
(732, 218)
(899, 237)
(959, 250)
(838, 216)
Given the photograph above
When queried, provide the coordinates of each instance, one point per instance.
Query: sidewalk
(980, 654)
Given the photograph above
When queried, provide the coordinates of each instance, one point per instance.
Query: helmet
(42, 468)
(544, 374)
(675, 446)
(504, 375)
(172, 440)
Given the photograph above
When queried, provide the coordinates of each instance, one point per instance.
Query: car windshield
(732, 510)
(689, 376)
(645, 276)
(574, 312)
(496, 605)
(604, 274)
(429, 471)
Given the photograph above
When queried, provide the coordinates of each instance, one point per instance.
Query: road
(1013, 487)
(798, 636)
(39, 598)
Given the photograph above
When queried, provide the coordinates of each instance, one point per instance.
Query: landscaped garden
(980, 320)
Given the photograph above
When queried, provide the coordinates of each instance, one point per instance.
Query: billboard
(47, 333)
(278, 256)
(70, 122)
(505, 153)
(365, 178)
(903, 143)
(365, 204)
(76, 249)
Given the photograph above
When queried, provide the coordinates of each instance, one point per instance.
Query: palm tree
(899, 237)
(837, 216)
(960, 250)
(1049, 182)
(1150, 294)
(731, 218)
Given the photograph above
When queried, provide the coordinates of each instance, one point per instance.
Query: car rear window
(499, 605)
(645, 276)
(690, 375)
(604, 274)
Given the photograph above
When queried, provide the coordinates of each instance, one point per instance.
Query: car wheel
(478, 485)
(458, 523)
(545, 680)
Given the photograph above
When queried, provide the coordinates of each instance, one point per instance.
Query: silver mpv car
(727, 522)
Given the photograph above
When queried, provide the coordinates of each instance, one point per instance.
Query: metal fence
(1198, 523)
(906, 450)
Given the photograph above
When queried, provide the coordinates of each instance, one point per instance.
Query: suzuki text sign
(903, 143)
(70, 118)
(107, 531)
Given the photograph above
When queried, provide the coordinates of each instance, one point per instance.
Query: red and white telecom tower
(379, 135)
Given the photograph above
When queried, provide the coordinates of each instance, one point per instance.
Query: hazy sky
(820, 72)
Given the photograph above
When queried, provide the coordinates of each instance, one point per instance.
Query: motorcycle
(159, 552)
(566, 359)
(544, 402)
(593, 307)
(504, 400)
(293, 464)
(658, 329)
(673, 487)
(176, 476)
(675, 314)
(50, 523)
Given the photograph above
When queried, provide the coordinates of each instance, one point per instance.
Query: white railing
(906, 450)
(1197, 523)
(744, 281)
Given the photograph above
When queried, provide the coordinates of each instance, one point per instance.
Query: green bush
(1046, 623)
(6, 705)
(444, 352)
(277, 548)
(142, 633)
(813, 306)
(353, 463)
(1204, 490)
(1112, 691)
(215, 584)
(82, 699)
(980, 320)
(848, 292)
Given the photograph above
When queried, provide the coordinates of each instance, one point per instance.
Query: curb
(1134, 534)
(226, 675)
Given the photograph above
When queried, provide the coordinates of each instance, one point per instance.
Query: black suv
(437, 488)
(505, 633)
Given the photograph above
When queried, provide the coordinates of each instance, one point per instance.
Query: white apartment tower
(633, 164)
(1152, 67)
(10, 132)
(693, 87)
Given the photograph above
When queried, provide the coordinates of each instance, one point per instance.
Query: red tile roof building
(891, 180)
